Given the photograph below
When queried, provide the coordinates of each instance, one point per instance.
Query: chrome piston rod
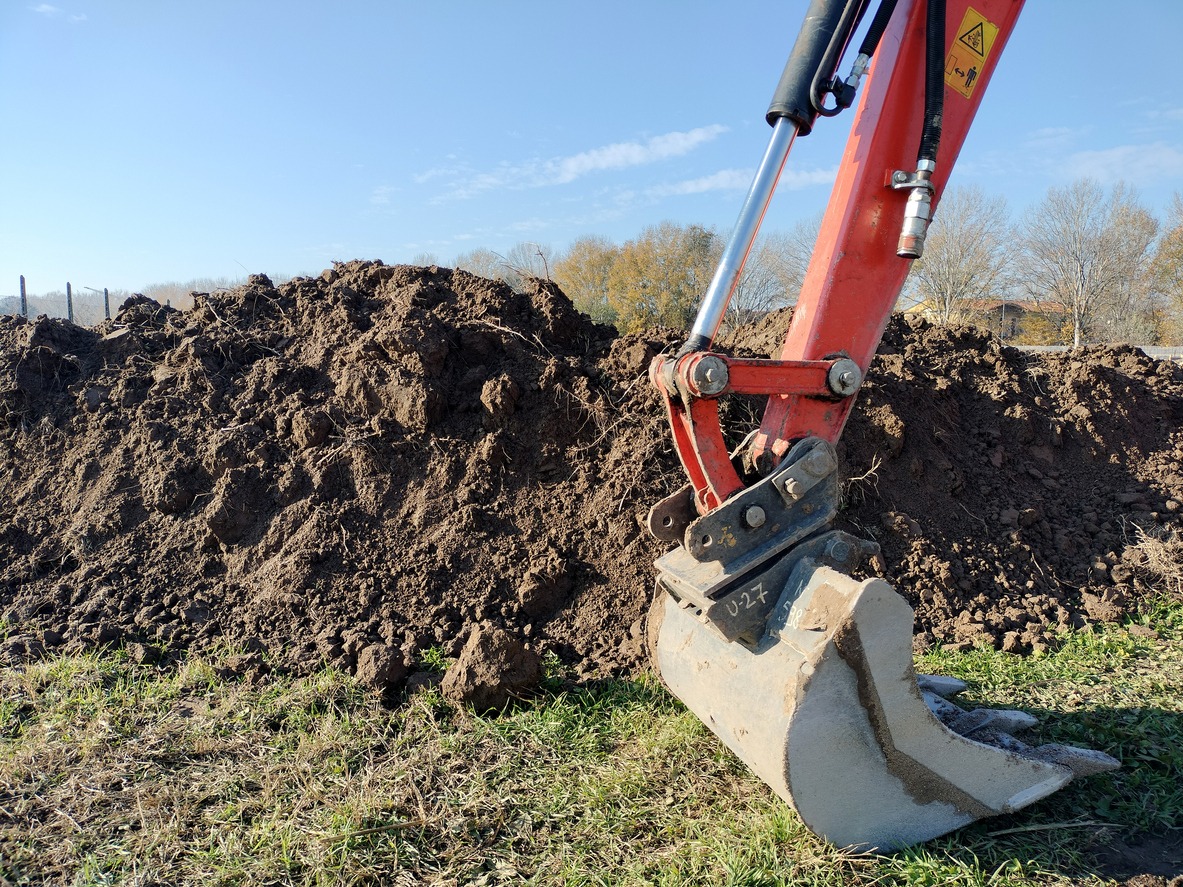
(723, 284)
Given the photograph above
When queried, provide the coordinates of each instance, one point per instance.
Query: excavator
(759, 623)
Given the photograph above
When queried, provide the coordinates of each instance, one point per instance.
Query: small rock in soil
(142, 654)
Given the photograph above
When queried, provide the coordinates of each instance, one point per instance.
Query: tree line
(1086, 264)
(657, 278)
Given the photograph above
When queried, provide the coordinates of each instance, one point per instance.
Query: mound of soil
(1010, 491)
(358, 467)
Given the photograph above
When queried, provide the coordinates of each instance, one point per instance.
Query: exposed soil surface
(358, 467)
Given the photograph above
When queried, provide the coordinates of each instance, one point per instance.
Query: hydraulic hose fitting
(918, 210)
(858, 70)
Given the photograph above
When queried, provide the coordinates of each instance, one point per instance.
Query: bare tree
(179, 294)
(525, 260)
(773, 273)
(481, 262)
(965, 258)
(1087, 252)
(425, 259)
(522, 261)
(1129, 313)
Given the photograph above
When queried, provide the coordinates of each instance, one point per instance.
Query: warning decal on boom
(975, 39)
(969, 52)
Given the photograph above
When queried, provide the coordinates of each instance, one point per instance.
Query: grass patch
(115, 773)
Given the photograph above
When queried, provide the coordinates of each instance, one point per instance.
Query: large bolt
(754, 516)
(840, 551)
(844, 377)
(709, 376)
(819, 463)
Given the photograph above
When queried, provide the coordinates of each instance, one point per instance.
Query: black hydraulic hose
(878, 26)
(825, 78)
(934, 81)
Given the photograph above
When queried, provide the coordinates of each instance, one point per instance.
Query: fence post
(69, 303)
(24, 299)
(106, 303)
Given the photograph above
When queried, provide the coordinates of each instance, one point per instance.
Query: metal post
(69, 303)
(24, 299)
(106, 299)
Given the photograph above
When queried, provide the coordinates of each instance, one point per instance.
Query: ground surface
(113, 772)
(383, 457)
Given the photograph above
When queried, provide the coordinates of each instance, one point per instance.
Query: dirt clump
(492, 668)
(381, 666)
(363, 466)
(1010, 491)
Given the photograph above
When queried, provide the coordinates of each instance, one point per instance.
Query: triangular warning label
(975, 39)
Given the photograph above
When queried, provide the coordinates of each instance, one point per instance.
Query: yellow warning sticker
(967, 56)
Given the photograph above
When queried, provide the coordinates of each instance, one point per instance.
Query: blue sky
(147, 142)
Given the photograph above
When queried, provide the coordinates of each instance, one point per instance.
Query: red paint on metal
(855, 276)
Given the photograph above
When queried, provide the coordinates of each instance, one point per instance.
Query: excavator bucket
(827, 710)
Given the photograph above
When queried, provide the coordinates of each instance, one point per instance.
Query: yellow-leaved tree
(583, 273)
(659, 278)
(1167, 273)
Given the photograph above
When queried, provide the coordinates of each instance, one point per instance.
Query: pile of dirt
(346, 469)
(359, 467)
(1014, 492)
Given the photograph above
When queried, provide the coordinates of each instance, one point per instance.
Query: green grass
(115, 773)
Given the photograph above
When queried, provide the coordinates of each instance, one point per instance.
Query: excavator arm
(757, 623)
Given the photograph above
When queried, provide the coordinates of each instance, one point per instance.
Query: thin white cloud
(1053, 138)
(723, 180)
(380, 196)
(796, 179)
(454, 169)
(531, 224)
(623, 155)
(1140, 164)
(741, 180)
(464, 182)
(50, 11)
(1171, 114)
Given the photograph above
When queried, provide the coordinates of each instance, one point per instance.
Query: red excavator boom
(758, 624)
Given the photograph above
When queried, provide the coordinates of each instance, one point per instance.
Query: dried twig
(1049, 826)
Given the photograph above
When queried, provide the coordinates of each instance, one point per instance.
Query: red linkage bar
(802, 377)
(706, 376)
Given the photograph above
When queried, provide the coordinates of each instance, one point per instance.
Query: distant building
(1021, 320)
